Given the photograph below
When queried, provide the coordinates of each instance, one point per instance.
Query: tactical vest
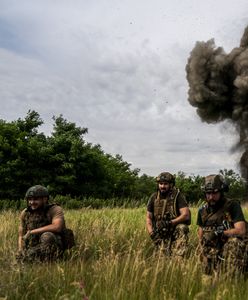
(166, 206)
(36, 219)
(211, 218)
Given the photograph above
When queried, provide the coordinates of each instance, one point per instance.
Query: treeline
(70, 167)
(64, 162)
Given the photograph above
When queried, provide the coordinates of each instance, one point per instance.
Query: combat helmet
(37, 191)
(214, 183)
(165, 177)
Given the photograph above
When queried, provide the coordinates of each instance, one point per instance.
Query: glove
(154, 235)
(219, 233)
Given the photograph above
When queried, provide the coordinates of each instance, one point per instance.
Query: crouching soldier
(168, 217)
(221, 230)
(42, 229)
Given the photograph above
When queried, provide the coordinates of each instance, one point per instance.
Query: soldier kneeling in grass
(222, 230)
(168, 217)
(43, 235)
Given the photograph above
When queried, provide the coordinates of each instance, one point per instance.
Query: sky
(118, 69)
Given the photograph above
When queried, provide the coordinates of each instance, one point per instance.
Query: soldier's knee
(234, 243)
(48, 238)
(182, 229)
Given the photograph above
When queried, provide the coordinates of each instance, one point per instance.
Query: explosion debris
(218, 88)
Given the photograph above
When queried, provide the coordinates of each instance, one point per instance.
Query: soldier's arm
(20, 238)
(200, 233)
(183, 217)
(56, 227)
(149, 226)
(57, 223)
(238, 230)
(238, 221)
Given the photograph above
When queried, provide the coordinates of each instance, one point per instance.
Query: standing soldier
(221, 228)
(168, 217)
(41, 229)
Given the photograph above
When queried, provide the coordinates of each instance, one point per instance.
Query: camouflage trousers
(231, 257)
(49, 248)
(177, 243)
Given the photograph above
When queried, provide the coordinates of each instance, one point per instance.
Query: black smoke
(218, 88)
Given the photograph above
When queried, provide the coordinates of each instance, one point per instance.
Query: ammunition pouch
(164, 227)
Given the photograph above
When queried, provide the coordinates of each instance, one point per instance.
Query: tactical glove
(219, 233)
(153, 235)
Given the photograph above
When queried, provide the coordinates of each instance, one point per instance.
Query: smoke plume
(218, 88)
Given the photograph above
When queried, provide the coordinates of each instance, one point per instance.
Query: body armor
(212, 218)
(167, 206)
(36, 219)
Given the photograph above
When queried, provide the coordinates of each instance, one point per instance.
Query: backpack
(68, 238)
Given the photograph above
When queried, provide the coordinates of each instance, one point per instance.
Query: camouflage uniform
(174, 239)
(45, 246)
(217, 250)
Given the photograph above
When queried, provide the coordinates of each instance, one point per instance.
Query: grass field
(114, 259)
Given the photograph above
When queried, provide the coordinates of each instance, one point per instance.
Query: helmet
(214, 183)
(37, 191)
(166, 177)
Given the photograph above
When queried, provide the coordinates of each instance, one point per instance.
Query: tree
(190, 186)
(237, 185)
(21, 149)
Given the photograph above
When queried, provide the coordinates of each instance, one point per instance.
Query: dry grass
(113, 259)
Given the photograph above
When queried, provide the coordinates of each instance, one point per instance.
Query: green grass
(114, 259)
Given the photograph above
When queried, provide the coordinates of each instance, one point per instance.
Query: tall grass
(114, 259)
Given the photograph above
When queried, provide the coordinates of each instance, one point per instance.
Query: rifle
(214, 237)
(164, 227)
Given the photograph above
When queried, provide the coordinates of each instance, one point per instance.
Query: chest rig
(36, 219)
(166, 206)
(216, 217)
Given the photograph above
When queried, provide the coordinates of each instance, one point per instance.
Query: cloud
(118, 69)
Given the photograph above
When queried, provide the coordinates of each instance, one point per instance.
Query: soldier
(41, 227)
(168, 217)
(221, 229)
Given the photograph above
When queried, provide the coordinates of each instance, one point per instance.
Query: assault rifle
(214, 236)
(164, 227)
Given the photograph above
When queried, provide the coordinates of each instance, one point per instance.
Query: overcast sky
(118, 68)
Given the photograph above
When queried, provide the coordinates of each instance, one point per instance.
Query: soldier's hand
(26, 236)
(219, 233)
(153, 235)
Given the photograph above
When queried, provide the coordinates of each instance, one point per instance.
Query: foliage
(237, 186)
(71, 167)
(190, 186)
(63, 162)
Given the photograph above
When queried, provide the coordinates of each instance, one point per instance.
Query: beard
(164, 193)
